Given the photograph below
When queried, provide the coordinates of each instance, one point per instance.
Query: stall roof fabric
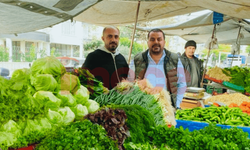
(201, 28)
(120, 12)
(21, 16)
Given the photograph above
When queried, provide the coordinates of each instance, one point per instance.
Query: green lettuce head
(67, 98)
(82, 95)
(44, 82)
(93, 106)
(67, 115)
(47, 99)
(12, 127)
(21, 73)
(48, 65)
(55, 117)
(80, 111)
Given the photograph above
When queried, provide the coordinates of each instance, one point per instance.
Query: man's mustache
(156, 45)
(113, 43)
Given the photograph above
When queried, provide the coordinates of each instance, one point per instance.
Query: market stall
(46, 108)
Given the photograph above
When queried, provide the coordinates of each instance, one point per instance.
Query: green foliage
(92, 45)
(54, 52)
(136, 46)
(4, 54)
(78, 135)
(43, 53)
(139, 122)
(211, 137)
(30, 55)
(134, 96)
(248, 49)
(222, 48)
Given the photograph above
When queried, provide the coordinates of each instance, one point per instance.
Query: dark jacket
(187, 67)
(107, 67)
(170, 69)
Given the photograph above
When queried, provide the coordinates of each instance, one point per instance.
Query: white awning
(201, 28)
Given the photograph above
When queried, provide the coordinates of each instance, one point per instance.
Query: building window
(16, 51)
(76, 51)
(60, 50)
(68, 28)
(30, 51)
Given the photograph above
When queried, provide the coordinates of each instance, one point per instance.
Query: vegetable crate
(194, 125)
(210, 89)
(31, 147)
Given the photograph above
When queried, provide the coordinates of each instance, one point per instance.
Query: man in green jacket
(192, 65)
(162, 68)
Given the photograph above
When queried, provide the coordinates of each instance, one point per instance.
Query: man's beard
(159, 49)
(112, 47)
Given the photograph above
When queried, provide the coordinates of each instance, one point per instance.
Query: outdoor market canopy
(201, 28)
(21, 16)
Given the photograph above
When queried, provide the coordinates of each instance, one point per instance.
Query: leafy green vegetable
(139, 122)
(93, 106)
(94, 86)
(80, 111)
(44, 82)
(67, 98)
(48, 99)
(78, 135)
(69, 82)
(67, 115)
(33, 132)
(11, 127)
(48, 65)
(54, 117)
(113, 120)
(211, 137)
(6, 139)
(134, 96)
(82, 95)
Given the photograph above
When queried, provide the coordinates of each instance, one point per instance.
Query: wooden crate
(189, 103)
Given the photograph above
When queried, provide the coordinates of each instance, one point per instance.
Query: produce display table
(194, 125)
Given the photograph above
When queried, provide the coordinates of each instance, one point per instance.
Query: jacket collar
(103, 48)
(184, 54)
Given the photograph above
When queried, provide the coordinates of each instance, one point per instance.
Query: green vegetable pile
(32, 103)
(210, 138)
(113, 120)
(94, 86)
(80, 135)
(239, 76)
(134, 96)
(139, 122)
(218, 115)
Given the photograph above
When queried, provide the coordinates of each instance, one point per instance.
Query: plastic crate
(233, 86)
(218, 90)
(30, 147)
(213, 79)
(195, 125)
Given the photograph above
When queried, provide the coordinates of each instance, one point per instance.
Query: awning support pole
(205, 69)
(237, 42)
(132, 40)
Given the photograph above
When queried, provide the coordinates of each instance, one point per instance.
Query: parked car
(70, 63)
(4, 72)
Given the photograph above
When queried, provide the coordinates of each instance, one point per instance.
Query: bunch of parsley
(80, 135)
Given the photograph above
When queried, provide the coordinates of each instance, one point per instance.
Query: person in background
(106, 63)
(192, 65)
(162, 68)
